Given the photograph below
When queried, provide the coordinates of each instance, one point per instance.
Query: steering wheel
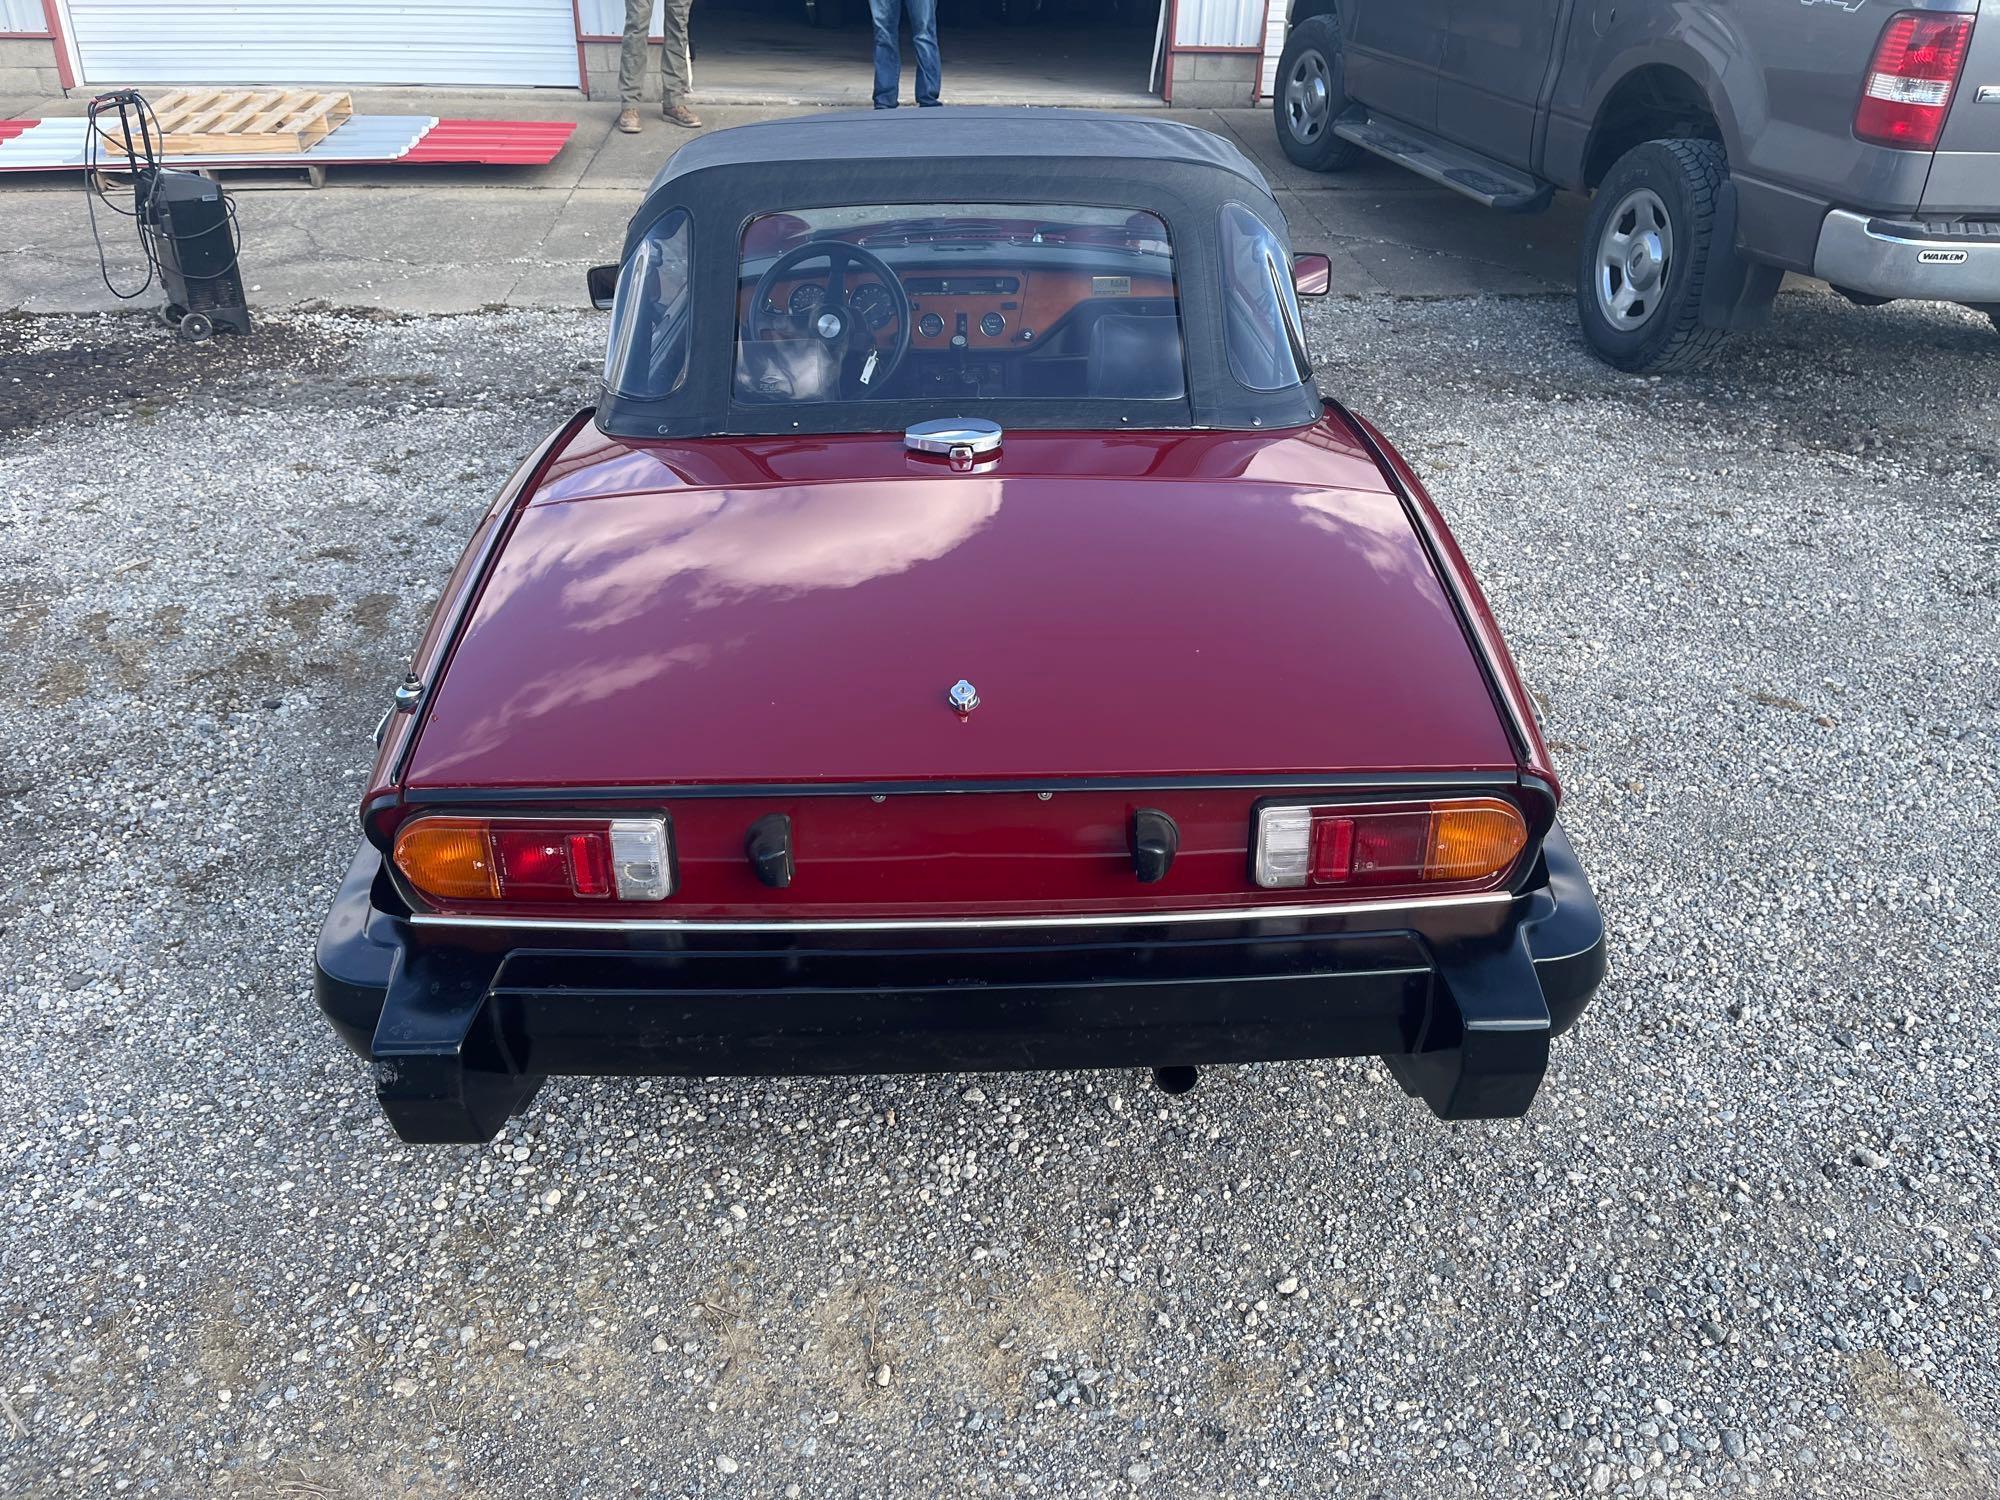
(836, 323)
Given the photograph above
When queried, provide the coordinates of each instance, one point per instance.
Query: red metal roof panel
(492, 142)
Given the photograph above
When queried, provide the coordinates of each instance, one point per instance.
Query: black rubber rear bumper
(462, 1025)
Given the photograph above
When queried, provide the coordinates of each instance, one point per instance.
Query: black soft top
(1180, 173)
(953, 138)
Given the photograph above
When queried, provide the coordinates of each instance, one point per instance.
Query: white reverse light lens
(1930, 93)
(641, 859)
(1284, 844)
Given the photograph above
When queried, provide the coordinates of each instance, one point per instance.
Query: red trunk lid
(796, 610)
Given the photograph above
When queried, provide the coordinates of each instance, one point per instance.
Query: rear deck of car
(748, 611)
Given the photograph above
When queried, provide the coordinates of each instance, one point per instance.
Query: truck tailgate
(1965, 174)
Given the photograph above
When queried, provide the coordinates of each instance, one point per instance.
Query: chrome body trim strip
(1512, 714)
(428, 666)
(969, 924)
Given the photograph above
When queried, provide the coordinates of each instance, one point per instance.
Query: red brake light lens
(536, 861)
(1910, 80)
(1456, 844)
(1332, 850)
(537, 866)
(590, 863)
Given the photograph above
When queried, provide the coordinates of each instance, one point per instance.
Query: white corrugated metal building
(1202, 52)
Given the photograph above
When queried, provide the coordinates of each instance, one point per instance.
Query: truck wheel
(1309, 98)
(1645, 257)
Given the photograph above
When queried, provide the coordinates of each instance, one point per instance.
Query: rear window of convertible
(903, 302)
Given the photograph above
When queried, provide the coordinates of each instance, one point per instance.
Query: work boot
(628, 119)
(681, 115)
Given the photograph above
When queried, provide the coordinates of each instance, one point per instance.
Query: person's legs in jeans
(632, 52)
(676, 71)
(923, 36)
(885, 14)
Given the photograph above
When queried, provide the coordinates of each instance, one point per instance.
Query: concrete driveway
(449, 240)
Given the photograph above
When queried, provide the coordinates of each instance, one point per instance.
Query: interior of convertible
(971, 300)
(968, 299)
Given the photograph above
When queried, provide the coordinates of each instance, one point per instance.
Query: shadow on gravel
(54, 369)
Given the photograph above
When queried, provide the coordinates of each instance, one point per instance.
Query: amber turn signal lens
(1474, 840)
(448, 859)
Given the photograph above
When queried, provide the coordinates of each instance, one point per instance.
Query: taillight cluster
(1910, 79)
(536, 861)
(460, 863)
(1458, 843)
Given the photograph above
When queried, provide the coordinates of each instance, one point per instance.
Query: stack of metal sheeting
(57, 145)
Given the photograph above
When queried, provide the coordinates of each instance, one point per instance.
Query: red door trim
(65, 74)
(582, 61)
(1263, 41)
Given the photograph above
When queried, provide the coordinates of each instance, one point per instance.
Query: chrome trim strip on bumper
(951, 924)
(1854, 252)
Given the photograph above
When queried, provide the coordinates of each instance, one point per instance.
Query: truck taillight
(1910, 79)
(536, 861)
(1460, 843)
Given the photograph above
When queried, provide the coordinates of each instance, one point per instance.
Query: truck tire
(1308, 98)
(1645, 257)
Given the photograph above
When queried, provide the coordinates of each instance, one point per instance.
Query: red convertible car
(963, 637)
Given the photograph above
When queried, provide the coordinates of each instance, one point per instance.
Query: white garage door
(325, 41)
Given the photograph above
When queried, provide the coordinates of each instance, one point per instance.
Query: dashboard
(983, 309)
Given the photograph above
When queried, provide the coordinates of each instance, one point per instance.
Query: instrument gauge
(875, 305)
(930, 325)
(993, 325)
(805, 297)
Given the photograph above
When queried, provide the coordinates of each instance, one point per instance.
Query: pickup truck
(1725, 142)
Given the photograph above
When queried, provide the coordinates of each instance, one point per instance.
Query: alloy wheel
(1308, 97)
(1634, 255)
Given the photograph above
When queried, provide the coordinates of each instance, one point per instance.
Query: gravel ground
(1745, 1242)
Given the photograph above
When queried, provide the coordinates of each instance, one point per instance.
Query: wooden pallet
(245, 176)
(210, 122)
